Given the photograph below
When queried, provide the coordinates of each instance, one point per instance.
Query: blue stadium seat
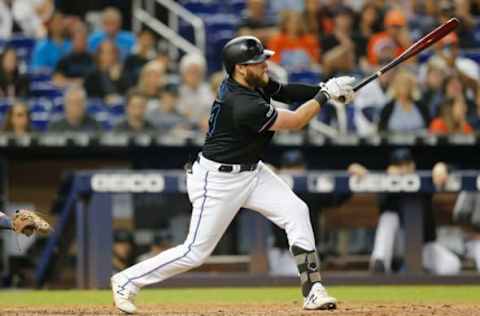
(117, 113)
(23, 46)
(203, 6)
(39, 76)
(57, 111)
(40, 113)
(99, 111)
(237, 6)
(472, 54)
(304, 76)
(45, 89)
(4, 106)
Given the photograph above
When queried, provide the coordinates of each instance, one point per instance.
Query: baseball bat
(420, 45)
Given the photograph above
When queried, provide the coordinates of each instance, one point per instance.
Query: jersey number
(212, 121)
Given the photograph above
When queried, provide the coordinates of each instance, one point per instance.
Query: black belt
(229, 168)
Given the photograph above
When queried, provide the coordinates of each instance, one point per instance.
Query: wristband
(321, 97)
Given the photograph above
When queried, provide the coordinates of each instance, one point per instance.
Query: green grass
(397, 294)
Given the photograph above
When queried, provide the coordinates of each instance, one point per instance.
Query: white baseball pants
(216, 198)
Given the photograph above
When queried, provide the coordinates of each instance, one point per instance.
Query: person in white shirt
(195, 95)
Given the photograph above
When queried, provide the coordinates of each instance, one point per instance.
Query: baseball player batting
(228, 174)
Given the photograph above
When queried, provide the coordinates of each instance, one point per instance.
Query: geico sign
(128, 183)
(385, 183)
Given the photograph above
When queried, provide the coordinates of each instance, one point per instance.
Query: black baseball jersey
(240, 119)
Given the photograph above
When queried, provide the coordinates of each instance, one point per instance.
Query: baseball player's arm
(288, 93)
(295, 120)
(332, 89)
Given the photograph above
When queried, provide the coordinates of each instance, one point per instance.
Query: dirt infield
(291, 309)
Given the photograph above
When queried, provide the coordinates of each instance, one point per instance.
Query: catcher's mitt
(27, 222)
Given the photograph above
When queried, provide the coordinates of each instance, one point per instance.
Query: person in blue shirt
(47, 52)
(112, 22)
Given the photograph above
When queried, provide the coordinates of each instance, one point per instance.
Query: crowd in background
(437, 92)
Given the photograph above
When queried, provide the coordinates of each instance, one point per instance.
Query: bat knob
(341, 99)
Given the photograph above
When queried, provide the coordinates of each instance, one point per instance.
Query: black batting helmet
(244, 50)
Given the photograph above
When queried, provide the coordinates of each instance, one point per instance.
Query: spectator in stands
(105, 81)
(404, 113)
(171, 68)
(135, 122)
(453, 117)
(123, 252)
(339, 61)
(338, 57)
(165, 116)
(76, 118)
(152, 80)
(142, 53)
(12, 83)
(112, 22)
(436, 74)
(195, 96)
(372, 98)
(160, 243)
(278, 6)
(447, 53)
(318, 17)
(454, 86)
(423, 18)
(459, 9)
(74, 67)
(312, 17)
(389, 238)
(47, 52)
(256, 22)
(448, 50)
(370, 22)
(342, 31)
(396, 36)
(17, 120)
(295, 49)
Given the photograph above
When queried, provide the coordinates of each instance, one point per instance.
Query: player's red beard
(255, 80)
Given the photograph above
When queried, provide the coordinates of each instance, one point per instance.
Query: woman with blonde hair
(150, 83)
(17, 120)
(404, 113)
(151, 78)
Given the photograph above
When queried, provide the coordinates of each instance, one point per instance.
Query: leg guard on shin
(308, 266)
